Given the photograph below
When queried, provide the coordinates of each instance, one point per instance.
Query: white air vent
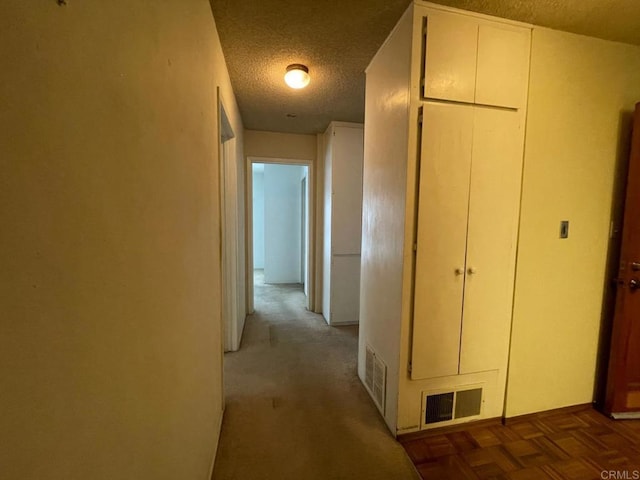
(375, 378)
(450, 405)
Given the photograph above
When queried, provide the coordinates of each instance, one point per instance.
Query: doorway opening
(280, 225)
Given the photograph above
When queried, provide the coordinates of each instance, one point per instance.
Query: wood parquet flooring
(579, 444)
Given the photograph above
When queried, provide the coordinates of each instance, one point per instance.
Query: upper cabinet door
(503, 65)
(450, 57)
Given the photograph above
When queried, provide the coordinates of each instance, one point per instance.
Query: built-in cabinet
(343, 147)
(474, 76)
(466, 95)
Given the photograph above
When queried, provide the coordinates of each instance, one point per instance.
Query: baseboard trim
(488, 422)
(625, 415)
(547, 413)
(215, 449)
(491, 422)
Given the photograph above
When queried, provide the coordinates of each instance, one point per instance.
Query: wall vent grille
(376, 378)
(439, 408)
(468, 403)
(446, 406)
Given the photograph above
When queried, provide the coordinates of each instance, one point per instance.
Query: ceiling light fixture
(297, 76)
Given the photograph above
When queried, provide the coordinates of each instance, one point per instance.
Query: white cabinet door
(494, 201)
(503, 65)
(472, 61)
(450, 57)
(442, 230)
(346, 185)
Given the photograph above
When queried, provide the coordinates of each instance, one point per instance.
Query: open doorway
(280, 238)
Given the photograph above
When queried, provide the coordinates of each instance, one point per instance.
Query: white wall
(582, 92)
(282, 223)
(383, 220)
(258, 216)
(111, 357)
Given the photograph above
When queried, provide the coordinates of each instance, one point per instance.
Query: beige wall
(110, 358)
(280, 145)
(580, 91)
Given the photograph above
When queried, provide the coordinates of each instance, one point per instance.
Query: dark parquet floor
(574, 444)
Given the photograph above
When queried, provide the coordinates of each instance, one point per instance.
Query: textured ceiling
(337, 39)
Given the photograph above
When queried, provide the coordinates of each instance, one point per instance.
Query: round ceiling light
(297, 76)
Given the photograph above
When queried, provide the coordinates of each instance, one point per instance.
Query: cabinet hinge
(415, 247)
(409, 367)
(420, 119)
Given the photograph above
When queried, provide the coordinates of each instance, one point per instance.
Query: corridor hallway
(295, 408)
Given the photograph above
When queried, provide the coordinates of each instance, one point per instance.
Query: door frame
(311, 215)
(229, 225)
(617, 401)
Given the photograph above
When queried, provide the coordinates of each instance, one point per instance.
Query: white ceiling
(337, 39)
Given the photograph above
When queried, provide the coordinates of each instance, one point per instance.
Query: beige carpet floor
(295, 408)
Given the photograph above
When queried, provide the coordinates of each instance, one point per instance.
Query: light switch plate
(564, 229)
